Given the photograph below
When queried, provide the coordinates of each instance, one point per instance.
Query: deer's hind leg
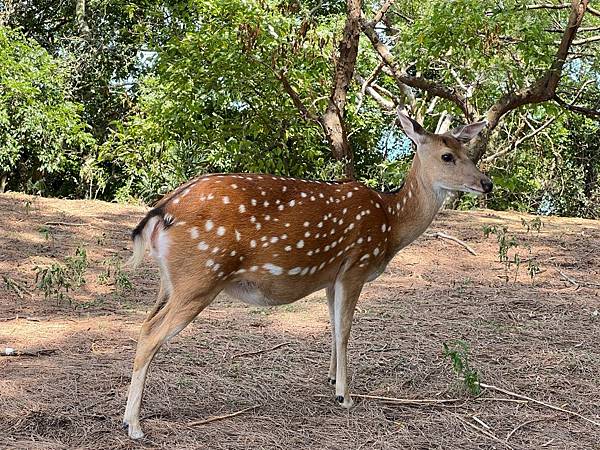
(171, 314)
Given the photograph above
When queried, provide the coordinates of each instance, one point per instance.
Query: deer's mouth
(473, 189)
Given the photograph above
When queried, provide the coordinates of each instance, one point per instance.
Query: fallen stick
(529, 399)
(574, 282)
(439, 234)
(258, 352)
(67, 224)
(8, 351)
(409, 401)
(17, 317)
(518, 427)
(500, 399)
(226, 416)
(482, 431)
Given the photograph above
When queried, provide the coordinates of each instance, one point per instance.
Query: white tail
(271, 240)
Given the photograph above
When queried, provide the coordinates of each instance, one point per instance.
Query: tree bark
(333, 118)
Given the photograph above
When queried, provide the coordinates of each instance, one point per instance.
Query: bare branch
(304, 112)
(548, 6)
(519, 141)
(581, 29)
(578, 109)
(586, 40)
(382, 11)
(366, 83)
(386, 104)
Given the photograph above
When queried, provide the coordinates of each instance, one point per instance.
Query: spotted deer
(270, 240)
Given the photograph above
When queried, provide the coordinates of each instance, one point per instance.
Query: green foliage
(155, 93)
(114, 275)
(458, 353)
(56, 280)
(42, 137)
(506, 241)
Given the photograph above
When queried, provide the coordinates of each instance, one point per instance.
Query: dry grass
(538, 340)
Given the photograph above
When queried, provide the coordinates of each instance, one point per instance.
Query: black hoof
(331, 381)
(125, 425)
(340, 399)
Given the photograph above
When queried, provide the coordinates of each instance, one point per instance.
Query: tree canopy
(137, 97)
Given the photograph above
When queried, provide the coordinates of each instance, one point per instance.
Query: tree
(42, 137)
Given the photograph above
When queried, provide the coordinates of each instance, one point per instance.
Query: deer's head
(444, 162)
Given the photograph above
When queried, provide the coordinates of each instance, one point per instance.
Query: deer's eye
(448, 157)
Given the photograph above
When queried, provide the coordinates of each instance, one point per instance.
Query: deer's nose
(487, 185)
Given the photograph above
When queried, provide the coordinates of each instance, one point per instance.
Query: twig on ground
(225, 416)
(500, 399)
(67, 224)
(482, 431)
(547, 405)
(409, 401)
(518, 427)
(8, 351)
(481, 422)
(568, 278)
(403, 401)
(258, 352)
(17, 317)
(439, 234)
(575, 282)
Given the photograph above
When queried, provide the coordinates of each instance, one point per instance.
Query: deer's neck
(412, 209)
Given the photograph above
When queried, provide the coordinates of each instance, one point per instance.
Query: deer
(271, 240)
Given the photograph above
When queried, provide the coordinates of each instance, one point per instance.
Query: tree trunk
(333, 118)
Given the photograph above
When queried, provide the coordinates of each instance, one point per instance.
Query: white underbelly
(251, 293)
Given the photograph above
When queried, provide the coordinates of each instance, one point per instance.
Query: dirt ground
(537, 338)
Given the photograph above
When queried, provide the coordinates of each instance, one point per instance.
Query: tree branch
(382, 11)
(365, 84)
(586, 40)
(304, 112)
(542, 90)
(401, 78)
(388, 105)
(578, 109)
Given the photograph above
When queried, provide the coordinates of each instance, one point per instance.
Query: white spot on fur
(194, 232)
(202, 245)
(226, 200)
(242, 208)
(295, 271)
(300, 244)
(209, 225)
(273, 269)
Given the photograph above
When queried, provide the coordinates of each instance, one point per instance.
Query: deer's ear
(465, 133)
(413, 130)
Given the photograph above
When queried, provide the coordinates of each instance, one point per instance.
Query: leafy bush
(42, 137)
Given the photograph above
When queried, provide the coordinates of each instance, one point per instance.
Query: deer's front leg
(333, 360)
(346, 296)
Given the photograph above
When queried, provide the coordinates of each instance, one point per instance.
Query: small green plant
(101, 239)
(458, 352)
(28, 204)
(45, 231)
(56, 280)
(114, 275)
(533, 224)
(505, 243)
